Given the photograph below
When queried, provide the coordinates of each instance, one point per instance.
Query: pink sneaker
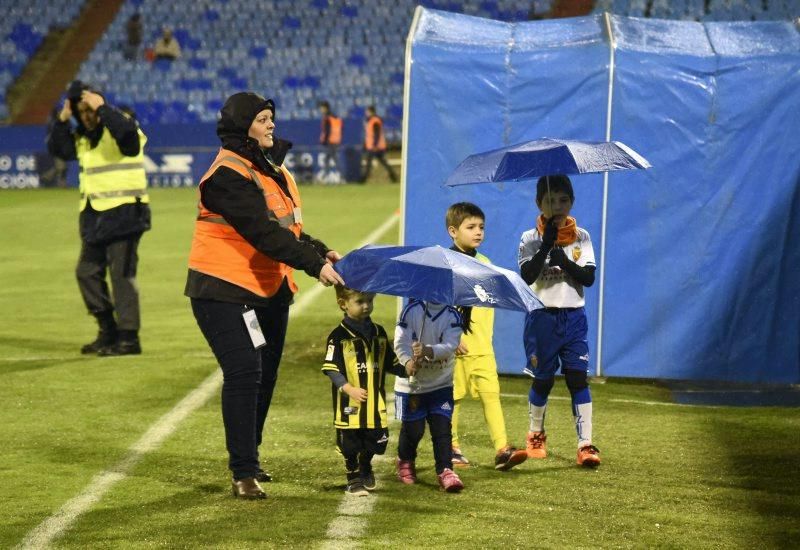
(406, 471)
(450, 482)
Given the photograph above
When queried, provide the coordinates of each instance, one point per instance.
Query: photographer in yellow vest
(109, 146)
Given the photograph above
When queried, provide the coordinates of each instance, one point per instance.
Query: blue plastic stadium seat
(349, 11)
(239, 83)
(181, 35)
(211, 15)
(227, 72)
(311, 82)
(195, 63)
(357, 60)
(259, 52)
(291, 82)
(319, 4)
(291, 22)
(395, 111)
(162, 64)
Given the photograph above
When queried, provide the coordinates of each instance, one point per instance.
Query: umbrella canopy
(435, 274)
(545, 157)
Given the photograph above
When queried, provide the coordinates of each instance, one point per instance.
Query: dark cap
(75, 89)
(239, 111)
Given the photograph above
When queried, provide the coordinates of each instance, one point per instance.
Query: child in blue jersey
(556, 258)
(425, 342)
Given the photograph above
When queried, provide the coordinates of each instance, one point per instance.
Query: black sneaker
(263, 476)
(356, 487)
(121, 347)
(368, 479)
(104, 339)
(508, 457)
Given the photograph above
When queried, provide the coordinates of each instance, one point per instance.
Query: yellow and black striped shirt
(364, 362)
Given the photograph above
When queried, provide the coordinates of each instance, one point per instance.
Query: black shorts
(352, 442)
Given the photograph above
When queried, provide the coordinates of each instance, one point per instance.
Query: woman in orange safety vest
(248, 239)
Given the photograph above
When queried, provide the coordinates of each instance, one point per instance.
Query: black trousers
(119, 260)
(381, 156)
(249, 375)
(358, 446)
(330, 158)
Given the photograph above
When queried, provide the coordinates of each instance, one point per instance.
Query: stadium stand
(22, 31)
(348, 52)
(703, 10)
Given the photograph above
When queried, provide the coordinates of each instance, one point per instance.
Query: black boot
(127, 344)
(107, 334)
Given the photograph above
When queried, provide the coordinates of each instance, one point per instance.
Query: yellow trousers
(477, 375)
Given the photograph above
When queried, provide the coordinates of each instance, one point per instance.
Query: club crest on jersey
(483, 295)
(576, 253)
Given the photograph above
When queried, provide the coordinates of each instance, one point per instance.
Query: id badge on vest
(298, 216)
(254, 329)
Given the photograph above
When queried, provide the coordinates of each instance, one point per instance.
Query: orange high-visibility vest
(218, 250)
(335, 135)
(374, 127)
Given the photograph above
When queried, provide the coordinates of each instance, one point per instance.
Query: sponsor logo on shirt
(576, 253)
(446, 406)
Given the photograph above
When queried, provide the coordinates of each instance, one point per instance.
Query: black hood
(74, 91)
(235, 119)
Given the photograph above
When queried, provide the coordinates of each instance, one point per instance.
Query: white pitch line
(52, 527)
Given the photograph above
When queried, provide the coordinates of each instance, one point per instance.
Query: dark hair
(345, 293)
(460, 211)
(466, 318)
(371, 108)
(556, 183)
(324, 104)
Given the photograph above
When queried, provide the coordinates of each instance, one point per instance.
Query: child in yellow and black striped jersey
(357, 358)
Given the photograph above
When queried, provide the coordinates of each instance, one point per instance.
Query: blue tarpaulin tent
(701, 258)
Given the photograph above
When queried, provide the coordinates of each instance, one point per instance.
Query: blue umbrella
(545, 157)
(435, 274)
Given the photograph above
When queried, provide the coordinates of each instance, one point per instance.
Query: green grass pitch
(672, 476)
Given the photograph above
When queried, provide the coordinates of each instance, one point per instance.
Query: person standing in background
(330, 137)
(375, 145)
(133, 37)
(114, 212)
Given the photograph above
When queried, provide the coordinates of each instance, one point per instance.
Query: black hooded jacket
(61, 136)
(124, 221)
(241, 204)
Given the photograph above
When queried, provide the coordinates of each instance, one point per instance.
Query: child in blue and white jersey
(425, 342)
(556, 259)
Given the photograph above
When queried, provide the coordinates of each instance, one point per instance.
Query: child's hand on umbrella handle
(462, 349)
(416, 348)
(550, 233)
(411, 368)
